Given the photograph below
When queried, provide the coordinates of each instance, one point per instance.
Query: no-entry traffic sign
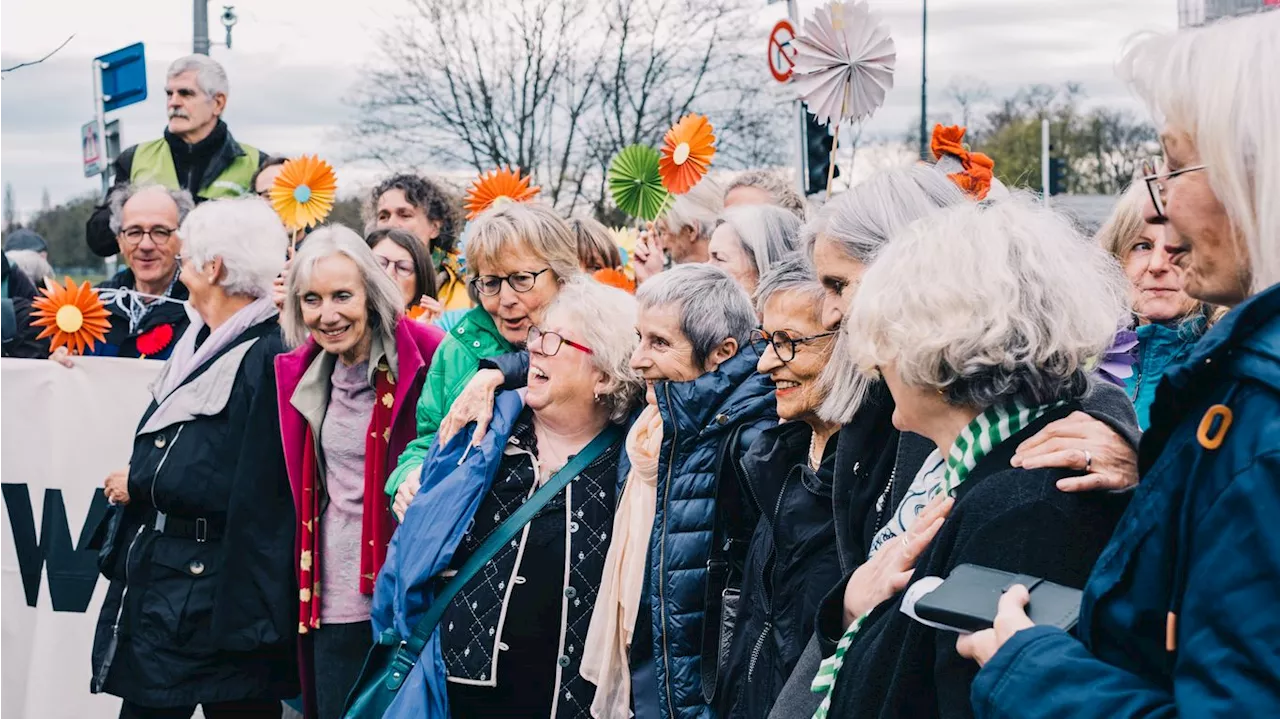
(781, 53)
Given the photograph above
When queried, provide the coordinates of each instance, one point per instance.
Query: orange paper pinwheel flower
(496, 187)
(304, 191)
(614, 278)
(975, 179)
(686, 153)
(73, 316)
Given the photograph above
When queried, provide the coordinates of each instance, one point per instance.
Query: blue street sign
(124, 77)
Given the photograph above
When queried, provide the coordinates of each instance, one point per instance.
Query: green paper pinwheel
(636, 184)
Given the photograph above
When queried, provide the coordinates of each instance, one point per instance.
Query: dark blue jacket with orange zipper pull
(1179, 617)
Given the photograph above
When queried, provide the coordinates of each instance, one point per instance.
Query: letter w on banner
(64, 430)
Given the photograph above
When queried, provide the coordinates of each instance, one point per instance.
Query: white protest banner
(63, 431)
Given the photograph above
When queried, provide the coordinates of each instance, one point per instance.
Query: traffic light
(1057, 175)
(817, 144)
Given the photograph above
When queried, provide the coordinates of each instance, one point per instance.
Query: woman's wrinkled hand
(431, 309)
(475, 404)
(1083, 443)
(648, 259)
(1011, 618)
(62, 356)
(405, 493)
(116, 486)
(279, 286)
(885, 574)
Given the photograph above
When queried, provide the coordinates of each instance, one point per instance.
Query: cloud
(295, 61)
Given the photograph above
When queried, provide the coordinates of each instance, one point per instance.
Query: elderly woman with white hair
(499, 560)
(875, 462)
(201, 604)
(750, 239)
(982, 321)
(1178, 617)
(683, 232)
(347, 397)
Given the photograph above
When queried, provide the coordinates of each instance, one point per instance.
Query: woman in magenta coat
(347, 396)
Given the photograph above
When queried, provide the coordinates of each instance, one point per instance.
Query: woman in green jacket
(518, 256)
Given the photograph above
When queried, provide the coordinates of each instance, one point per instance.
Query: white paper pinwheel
(844, 62)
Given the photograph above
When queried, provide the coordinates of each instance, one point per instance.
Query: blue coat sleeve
(1228, 634)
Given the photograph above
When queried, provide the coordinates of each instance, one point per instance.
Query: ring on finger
(1088, 461)
(906, 544)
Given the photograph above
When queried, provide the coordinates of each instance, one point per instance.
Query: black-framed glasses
(783, 343)
(548, 343)
(158, 234)
(403, 268)
(1153, 175)
(490, 285)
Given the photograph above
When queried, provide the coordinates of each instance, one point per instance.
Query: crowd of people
(525, 492)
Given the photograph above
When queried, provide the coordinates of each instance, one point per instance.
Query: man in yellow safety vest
(197, 152)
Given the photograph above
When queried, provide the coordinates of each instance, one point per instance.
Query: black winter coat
(791, 564)
(1009, 519)
(202, 604)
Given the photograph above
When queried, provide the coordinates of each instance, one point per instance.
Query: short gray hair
(385, 303)
(698, 208)
(120, 197)
(766, 233)
(713, 307)
(990, 302)
(246, 233)
(783, 193)
(32, 264)
(606, 318)
(210, 75)
(794, 273)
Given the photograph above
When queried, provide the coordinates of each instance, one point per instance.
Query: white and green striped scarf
(974, 442)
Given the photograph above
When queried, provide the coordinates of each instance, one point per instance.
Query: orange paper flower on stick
(496, 187)
(687, 150)
(304, 191)
(614, 278)
(975, 178)
(73, 316)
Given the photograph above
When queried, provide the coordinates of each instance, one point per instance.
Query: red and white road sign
(781, 54)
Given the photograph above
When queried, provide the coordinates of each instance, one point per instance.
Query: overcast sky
(294, 63)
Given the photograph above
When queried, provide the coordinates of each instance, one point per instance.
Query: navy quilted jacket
(696, 417)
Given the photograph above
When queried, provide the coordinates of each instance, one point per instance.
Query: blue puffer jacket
(697, 416)
(1179, 616)
(1159, 348)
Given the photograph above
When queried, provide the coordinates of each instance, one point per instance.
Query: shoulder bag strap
(505, 532)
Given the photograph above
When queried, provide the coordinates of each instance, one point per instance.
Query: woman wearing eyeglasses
(519, 255)
(789, 473)
(511, 637)
(407, 263)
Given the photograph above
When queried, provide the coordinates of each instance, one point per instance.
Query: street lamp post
(924, 80)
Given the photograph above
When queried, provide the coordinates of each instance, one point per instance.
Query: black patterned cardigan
(472, 626)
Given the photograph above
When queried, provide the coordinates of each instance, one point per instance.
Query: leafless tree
(557, 87)
(968, 93)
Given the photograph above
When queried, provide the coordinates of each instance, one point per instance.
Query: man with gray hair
(144, 299)
(197, 152)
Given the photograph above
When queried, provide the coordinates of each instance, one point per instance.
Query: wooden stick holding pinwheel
(303, 194)
(844, 66)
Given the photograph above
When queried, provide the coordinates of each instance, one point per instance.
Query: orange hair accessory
(976, 178)
(497, 187)
(614, 278)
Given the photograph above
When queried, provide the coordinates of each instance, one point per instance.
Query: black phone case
(968, 599)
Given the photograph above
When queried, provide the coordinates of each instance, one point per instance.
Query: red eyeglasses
(548, 343)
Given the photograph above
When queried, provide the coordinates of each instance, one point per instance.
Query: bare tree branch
(53, 52)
